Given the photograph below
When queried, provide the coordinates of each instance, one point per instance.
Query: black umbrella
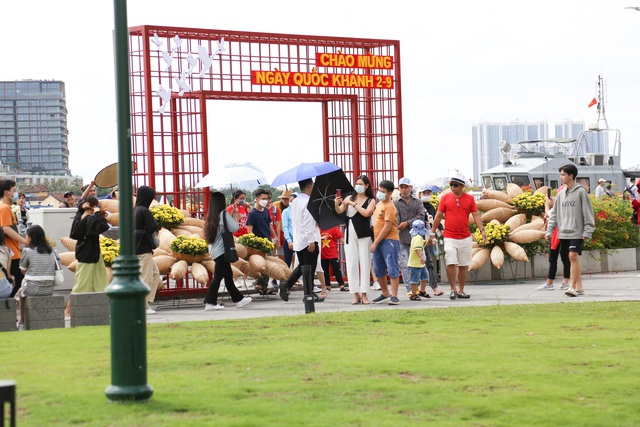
(321, 202)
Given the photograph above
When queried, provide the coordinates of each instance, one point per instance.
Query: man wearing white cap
(456, 207)
(600, 191)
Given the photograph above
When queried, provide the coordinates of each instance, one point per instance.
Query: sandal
(424, 294)
(438, 293)
(328, 288)
(414, 298)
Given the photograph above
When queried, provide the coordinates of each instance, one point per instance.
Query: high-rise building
(33, 126)
(486, 139)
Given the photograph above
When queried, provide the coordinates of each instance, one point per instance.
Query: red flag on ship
(593, 102)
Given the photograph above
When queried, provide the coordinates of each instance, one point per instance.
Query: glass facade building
(33, 126)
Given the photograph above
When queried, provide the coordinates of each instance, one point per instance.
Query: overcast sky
(463, 62)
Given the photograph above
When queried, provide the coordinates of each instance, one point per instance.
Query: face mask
(359, 189)
(263, 203)
(381, 196)
(15, 197)
(425, 198)
(240, 202)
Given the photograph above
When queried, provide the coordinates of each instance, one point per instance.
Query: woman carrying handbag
(218, 222)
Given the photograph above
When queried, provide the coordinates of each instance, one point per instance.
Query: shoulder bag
(230, 254)
(58, 277)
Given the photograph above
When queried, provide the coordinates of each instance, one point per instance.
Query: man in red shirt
(456, 207)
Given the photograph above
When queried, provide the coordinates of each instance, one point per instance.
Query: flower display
(529, 203)
(259, 243)
(496, 233)
(167, 216)
(434, 201)
(614, 230)
(110, 249)
(189, 245)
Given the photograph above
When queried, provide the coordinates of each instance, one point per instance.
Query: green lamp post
(126, 291)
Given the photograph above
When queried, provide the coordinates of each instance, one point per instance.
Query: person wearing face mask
(409, 209)
(9, 226)
(456, 206)
(386, 245)
(259, 223)
(240, 207)
(359, 208)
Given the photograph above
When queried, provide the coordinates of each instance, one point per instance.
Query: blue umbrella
(303, 171)
(435, 188)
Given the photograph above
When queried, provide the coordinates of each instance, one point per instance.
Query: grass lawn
(528, 365)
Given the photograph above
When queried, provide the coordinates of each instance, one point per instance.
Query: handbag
(58, 277)
(230, 254)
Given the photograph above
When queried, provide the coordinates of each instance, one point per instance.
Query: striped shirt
(39, 270)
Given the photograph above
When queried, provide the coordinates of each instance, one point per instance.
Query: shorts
(571, 245)
(385, 259)
(457, 251)
(417, 275)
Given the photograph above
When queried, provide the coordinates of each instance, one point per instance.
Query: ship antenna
(602, 118)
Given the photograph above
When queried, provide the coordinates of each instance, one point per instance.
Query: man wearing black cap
(69, 200)
(456, 207)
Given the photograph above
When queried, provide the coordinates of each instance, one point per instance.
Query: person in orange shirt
(386, 244)
(9, 226)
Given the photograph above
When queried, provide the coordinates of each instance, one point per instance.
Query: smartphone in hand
(338, 192)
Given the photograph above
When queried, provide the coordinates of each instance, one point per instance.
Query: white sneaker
(244, 301)
(376, 286)
(317, 289)
(571, 293)
(563, 287)
(151, 311)
(211, 307)
(20, 326)
(545, 287)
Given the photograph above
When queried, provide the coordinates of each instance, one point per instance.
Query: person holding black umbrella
(306, 237)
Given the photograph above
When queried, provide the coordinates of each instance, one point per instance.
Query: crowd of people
(388, 236)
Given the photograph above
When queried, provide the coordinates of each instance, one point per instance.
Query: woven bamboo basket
(189, 258)
(252, 251)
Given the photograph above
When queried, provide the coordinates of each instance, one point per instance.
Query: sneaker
(463, 295)
(244, 301)
(317, 289)
(571, 293)
(563, 287)
(211, 307)
(453, 295)
(20, 326)
(393, 301)
(580, 292)
(376, 286)
(545, 287)
(380, 299)
(150, 311)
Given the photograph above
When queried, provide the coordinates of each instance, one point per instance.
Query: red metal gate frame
(362, 125)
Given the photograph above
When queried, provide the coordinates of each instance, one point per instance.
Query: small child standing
(418, 274)
(329, 256)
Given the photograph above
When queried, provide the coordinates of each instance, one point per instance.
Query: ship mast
(602, 118)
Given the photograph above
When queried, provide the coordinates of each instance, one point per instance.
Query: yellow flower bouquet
(258, 243)
(167, 216)
(496, 233)
(110, 249)
(190, 249)
(529, 203)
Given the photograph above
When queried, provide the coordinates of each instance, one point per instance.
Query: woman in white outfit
(359, 207)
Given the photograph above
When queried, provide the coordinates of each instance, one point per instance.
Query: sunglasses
(454, 185)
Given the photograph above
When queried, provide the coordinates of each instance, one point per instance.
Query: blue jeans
(385, 259)
(417, 274)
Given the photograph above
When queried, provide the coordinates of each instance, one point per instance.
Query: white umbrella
(229, 176)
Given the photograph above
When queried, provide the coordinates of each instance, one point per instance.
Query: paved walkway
(624, 286)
